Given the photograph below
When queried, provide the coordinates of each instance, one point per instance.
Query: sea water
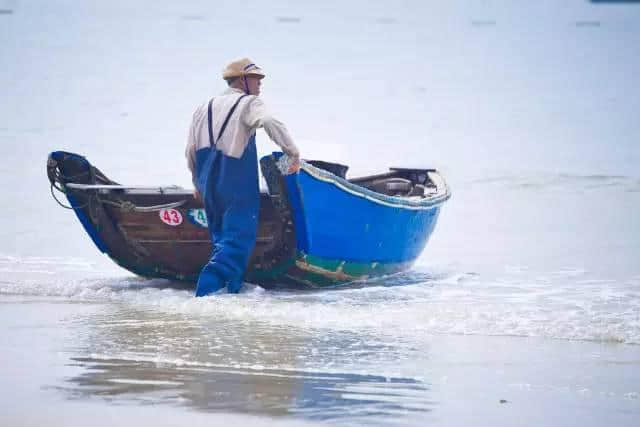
(524, 307)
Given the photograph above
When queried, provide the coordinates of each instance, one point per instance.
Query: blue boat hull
(345, 232)
(333, 223)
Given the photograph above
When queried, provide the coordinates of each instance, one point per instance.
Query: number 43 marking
(171, 217)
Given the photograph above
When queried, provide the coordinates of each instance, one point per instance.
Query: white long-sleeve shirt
(249, 115)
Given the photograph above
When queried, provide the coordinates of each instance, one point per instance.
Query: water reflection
(321, 396)
(211, 364)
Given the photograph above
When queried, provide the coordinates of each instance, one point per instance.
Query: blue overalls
(230, 191)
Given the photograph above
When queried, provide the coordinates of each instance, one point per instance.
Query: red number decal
(171, 216)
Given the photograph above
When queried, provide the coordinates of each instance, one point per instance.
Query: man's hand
(197, 196)
(295, 165)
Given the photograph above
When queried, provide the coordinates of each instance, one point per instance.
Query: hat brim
(256, 73)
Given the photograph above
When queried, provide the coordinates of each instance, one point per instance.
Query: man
(221, 153)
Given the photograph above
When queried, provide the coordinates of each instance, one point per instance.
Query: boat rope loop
(58, 180)
(53, 194)
(128, 206)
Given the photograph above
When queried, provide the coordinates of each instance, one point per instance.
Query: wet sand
(63, 358)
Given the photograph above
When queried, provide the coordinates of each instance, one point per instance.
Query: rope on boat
(58, 201)
(58, 184)
(126, 206)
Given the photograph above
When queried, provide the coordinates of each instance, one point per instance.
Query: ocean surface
(523, 309)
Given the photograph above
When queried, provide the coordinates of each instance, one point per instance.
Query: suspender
(224, 125)
(210, 114)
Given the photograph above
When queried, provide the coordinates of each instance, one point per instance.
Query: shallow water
(525, 306)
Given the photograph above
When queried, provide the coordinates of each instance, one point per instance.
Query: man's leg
(232, 247)
(239, 225)
(210, 280)
(234, 286)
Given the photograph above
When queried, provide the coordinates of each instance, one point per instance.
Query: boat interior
(413, 183)
(398, 182)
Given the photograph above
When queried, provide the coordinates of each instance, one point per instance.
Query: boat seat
(417, 190)
(391, 186)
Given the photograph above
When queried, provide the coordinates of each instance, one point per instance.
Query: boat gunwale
(442, 194)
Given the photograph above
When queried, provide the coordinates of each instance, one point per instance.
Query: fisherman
(221, 153)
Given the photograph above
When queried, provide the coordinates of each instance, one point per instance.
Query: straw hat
(242, 67)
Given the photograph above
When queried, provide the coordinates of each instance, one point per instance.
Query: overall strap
(226, 121)
(210, 114)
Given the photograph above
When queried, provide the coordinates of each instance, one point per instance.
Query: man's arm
(256, 115)
(190, 151)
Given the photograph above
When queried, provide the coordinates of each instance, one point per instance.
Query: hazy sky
(469, 87)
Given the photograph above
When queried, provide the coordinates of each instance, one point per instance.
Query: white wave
(457, 303)
(51, 265)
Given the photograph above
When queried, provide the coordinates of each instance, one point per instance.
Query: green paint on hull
(309, 271)
(302, 272)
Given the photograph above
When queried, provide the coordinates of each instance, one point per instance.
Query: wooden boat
(316, 228)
